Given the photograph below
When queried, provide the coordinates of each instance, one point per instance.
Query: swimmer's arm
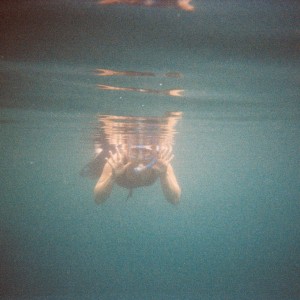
(104, 185)
(170, 186)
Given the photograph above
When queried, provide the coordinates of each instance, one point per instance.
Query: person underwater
(138, 166)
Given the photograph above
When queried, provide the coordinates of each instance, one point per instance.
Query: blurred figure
(134, 152)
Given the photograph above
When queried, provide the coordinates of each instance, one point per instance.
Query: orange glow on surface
(171, 92)
(111, 73)
(137, 130)
(106, 72)
(180, 4)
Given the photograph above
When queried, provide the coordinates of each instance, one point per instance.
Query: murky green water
(231, 68)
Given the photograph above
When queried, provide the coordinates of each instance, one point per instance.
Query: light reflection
(108, 72)
(185, 5)
(134, 152)
(170, 92)
(111, 73)
(124, 130)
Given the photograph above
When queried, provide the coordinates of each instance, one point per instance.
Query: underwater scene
(150, 149)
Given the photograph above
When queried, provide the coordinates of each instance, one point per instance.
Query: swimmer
(138, 166)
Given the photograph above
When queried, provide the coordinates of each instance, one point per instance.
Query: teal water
(235, 233)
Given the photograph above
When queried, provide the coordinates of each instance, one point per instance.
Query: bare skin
(118, 170)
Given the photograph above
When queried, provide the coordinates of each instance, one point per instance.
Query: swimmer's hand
(116, 161)
(164, 158)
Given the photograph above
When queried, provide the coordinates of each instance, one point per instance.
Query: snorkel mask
(144, 155)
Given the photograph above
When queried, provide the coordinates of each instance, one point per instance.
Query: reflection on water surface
(167, 92)
(135, 130)
(180, 4)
